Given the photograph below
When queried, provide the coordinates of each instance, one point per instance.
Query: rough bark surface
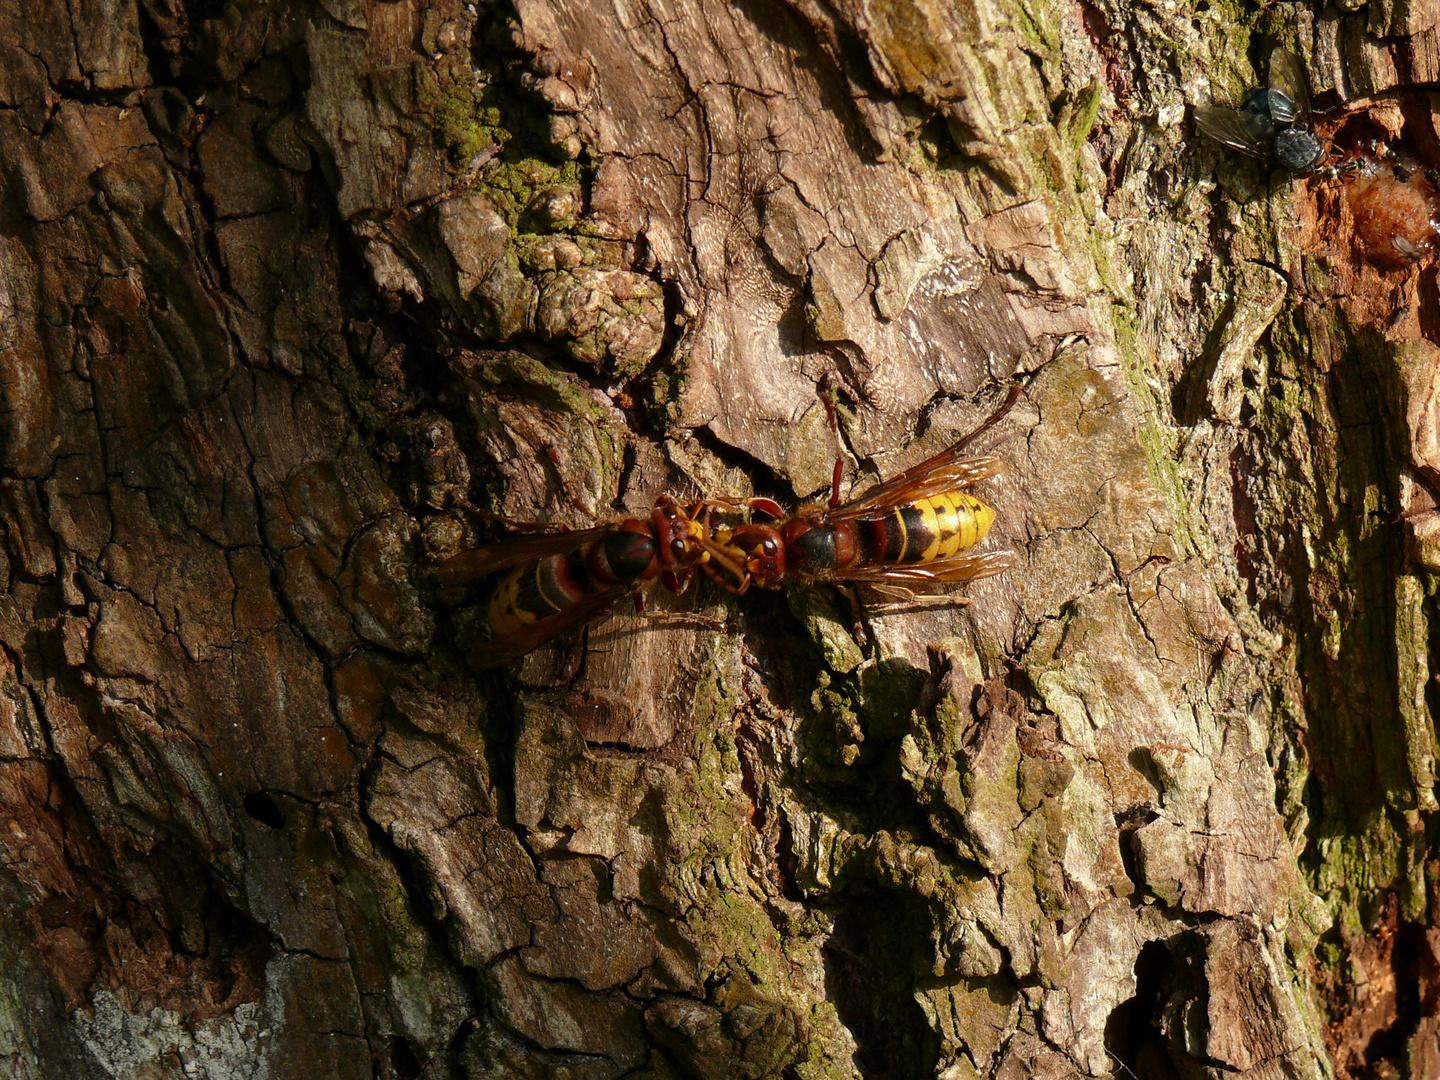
(281, 286)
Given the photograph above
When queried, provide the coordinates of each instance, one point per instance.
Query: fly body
(1273, 121)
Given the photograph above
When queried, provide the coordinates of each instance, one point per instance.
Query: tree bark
(285, 286)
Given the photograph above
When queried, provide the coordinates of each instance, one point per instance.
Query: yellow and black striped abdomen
(533, 591)
(928, 529)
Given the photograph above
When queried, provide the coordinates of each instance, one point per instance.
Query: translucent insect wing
(488, 559)
(497, 652)
(1244, 131)
(972, 566)
(955, 570)
(1289, 88)
(941, 473)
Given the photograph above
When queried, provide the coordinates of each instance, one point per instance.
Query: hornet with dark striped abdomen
(545, 585)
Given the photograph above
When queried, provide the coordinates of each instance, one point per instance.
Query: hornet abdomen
(550, 586)
(920, 530)
(925, 530)
(533, 591)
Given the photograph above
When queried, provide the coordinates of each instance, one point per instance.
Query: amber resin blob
(1392, 198)
(1394, 211)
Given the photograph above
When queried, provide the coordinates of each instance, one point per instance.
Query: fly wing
(944, 472)
(1287, 79)
(487, 559)
(952, 571)
(501, 650)
(1244, 131)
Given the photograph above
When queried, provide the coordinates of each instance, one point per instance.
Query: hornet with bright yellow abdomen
(913, 529)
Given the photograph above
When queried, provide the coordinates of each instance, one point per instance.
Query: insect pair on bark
(1393, 202)
(1273, 121)
(918, 528)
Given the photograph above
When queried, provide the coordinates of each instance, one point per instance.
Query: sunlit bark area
(287, 292)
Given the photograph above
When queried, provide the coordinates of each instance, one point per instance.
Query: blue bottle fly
(1273, 122)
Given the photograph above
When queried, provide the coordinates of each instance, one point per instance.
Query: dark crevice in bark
(1147, 1034)
(869, 967)
(263, 809)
